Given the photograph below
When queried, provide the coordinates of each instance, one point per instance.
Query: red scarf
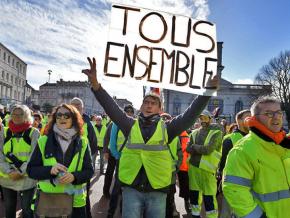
(16, 128)
(276, 137)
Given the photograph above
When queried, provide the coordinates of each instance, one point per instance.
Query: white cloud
(59, 35)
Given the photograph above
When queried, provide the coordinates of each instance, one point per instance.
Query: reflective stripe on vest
(257, 212)
(267, 197)
(153, 155)
(273, 196)
(238, 180)
(208, 162)
(79, 191)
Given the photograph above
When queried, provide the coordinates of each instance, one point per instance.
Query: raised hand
(92, 74)
(214, 82)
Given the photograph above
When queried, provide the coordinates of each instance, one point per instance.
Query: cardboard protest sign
(159, 49)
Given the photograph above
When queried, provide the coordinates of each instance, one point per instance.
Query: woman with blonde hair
(62, 164)
(17, 141)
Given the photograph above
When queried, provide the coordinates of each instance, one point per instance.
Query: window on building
(214, 103)
(13, 62)
(3, 74)
(176, 106)
(8, 59)
(7, 77)
(238, 106)
(4, 56)
(15, 94)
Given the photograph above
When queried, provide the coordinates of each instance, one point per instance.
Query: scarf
(255, 126)
(17, 128)
(64, 136)
(147, 121)
(148, 125)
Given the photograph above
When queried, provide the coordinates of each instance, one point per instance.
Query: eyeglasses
(271, 114)
(66, 115)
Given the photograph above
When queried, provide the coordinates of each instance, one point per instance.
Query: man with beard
(204, 149)
(145, 167)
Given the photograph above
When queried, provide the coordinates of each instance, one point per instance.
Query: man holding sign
(161, 50)
(146, 164)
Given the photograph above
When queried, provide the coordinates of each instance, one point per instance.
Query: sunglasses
(66, 115)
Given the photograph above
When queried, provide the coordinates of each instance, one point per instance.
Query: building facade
(231, 98)
(12, 77)
(63, 91)
(31, 96)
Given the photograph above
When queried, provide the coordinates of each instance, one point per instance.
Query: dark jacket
(107, 138)
(227, 146)
(37, 171)
(91, 134)
(174, 128)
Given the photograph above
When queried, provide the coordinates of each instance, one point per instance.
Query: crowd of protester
(222, 169)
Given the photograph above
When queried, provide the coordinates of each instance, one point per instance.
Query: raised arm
(110, 106)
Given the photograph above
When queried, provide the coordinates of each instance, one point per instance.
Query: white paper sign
(159, 49)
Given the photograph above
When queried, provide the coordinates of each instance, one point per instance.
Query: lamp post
(49, 73)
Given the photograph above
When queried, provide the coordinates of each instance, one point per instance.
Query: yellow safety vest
(153, 155)
(208, 162)
(100, 135)
(235, 137)
(20, 148)
(120, 139)
(257, 178)
(78, 191)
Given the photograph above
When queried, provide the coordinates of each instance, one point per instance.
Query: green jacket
(257, 178)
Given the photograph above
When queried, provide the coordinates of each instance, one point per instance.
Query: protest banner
(160, 49)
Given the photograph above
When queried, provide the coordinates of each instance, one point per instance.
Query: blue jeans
(10, 202)
(136, 204)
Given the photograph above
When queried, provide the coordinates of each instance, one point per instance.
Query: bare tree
(277, 74)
